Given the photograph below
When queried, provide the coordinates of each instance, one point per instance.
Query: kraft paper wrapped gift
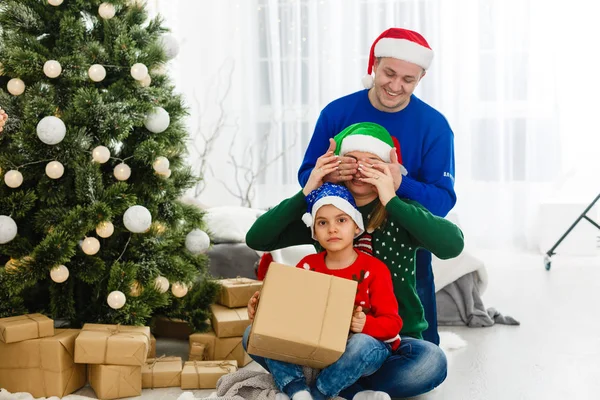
(229, 322)
(43, 367)
(216, 348)
(236, 292)
(115, 381)
(162, 372)
(303, 317)
(112, 344)
(25, 327)
(205, 374)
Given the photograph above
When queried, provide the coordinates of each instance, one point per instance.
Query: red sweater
(375, 293)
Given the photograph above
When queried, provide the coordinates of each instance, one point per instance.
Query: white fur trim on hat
(341, 204)
(404, 49)
(367, 81)
(367, 144)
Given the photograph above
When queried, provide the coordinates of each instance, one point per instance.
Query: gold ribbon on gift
(37, 324)
(238, 280)
(112, 332)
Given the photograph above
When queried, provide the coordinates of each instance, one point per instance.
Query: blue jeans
(426, 292)
(416, 367)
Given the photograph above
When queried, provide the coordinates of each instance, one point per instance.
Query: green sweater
(409, 226)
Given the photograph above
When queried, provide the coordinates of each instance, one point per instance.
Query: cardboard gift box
(43, 367)
(236, 292)
(205, 374)
(229, 322)
(115, 381)
(303, 317)
(207, 346)
(162, 372)
(25, 327)
(171, 328)
(112, 344)
(152, 349)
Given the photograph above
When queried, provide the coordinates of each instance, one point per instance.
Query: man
(424, 169)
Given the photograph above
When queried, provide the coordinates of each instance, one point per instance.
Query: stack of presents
(117, 360)
(303, 317)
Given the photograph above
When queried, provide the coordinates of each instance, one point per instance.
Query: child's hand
(326, 164)
(252, 305)
(358, 320)
(3, 119)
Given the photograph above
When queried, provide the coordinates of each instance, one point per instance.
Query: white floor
(554, 354)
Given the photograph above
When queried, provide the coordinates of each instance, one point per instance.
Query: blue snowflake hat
(338, 196)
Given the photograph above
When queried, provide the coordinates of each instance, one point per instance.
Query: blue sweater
(426, 145)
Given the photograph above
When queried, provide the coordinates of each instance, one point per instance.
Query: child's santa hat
(338, 196)
(402, 44)
(370, 138)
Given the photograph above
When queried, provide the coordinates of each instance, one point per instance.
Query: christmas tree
(92, 161)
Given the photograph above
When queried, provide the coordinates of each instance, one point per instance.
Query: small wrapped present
(112, 345)
(229, 322)
(205, 374)
(43, 367)
(115, 381)
(25, 327)
(215, 348)
(236, 292)
(162, 372)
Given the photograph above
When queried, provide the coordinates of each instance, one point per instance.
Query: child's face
(334, 229)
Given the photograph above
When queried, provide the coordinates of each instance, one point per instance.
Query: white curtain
(515, 78)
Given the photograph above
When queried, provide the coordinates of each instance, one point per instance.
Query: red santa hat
(402, 44)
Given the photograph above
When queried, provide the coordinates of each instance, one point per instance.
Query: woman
(395, 229)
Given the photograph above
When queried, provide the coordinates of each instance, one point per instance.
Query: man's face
(395, 81)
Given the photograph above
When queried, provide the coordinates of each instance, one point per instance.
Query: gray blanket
(460, 303)
(254, 385)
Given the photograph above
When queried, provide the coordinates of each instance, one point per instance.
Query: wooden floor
(554, 354)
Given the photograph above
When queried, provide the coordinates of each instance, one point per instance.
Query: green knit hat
(367, 137)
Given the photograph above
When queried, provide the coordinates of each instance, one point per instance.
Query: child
(335, 222)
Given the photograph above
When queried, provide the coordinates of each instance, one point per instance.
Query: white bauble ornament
(122, 172)
(105, 229)
(16, 87)
(161, 284)
(55, 2)
(90, 246)
(135, 289)
(54, 170)
(8, 229)
(157, 120)
(52, 68)
(170, 46)
(179, 289)
(106, 10)
(97, 73)
(59, 274)
(101, 154)
(161, 164)
(13, 179)
(116, 299)
(197, 241)
(51, 130)
(137, 219)
(146, 81)
(166, 174)
(139, 71)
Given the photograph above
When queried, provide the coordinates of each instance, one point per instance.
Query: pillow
(229, 224)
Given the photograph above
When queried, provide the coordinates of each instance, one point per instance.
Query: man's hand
(347, 168)
(3, 119)
(396, 169)
(325, 164)
(358, 320)
(252, 305)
